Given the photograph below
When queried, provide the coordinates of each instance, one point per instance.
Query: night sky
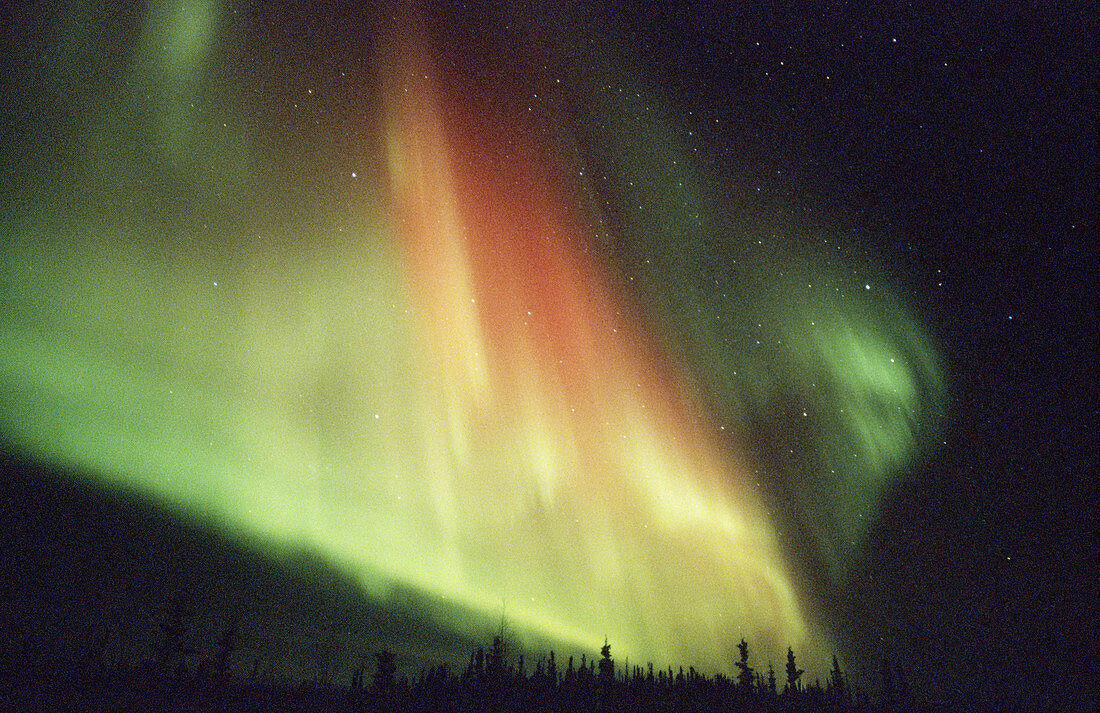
(379, 326)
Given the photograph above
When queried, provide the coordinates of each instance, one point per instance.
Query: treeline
(491, 682)
(177, 676)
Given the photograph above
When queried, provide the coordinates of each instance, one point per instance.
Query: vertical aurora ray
(789, 334)
(437, 384)
(588, 459)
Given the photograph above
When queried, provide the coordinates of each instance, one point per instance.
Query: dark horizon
(182, 599)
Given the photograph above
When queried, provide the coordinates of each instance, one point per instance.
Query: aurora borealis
(471, 315)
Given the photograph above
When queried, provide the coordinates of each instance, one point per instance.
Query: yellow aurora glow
(434, 384)
(555, 428)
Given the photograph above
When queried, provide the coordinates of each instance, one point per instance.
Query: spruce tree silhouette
(385, 675)
(745, 677)
(793, 674)
(837, 688)
(607, 666)
(495, 667)
(171, 652)
(552, 671)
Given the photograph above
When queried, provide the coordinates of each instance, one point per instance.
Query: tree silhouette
(607, 666)
(385, 675)
(838, 689)
(745, 677)
(552, 671)
(491, 683)
(476, 669)
(494, 670)
(172, 650)
(794, 673)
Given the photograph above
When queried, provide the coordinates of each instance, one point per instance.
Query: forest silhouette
(177, 675)
(187, 650)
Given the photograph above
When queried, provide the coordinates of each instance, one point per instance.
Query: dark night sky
(968, 148)
(958, 143)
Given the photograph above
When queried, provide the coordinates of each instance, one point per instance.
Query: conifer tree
(745, 677)
(837, 687)
(384, 675)
(171, 651)
(357, 679)
(495, 666)
(607, 666)
(793, 673)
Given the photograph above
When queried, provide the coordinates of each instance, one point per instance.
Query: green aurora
(218, 301)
